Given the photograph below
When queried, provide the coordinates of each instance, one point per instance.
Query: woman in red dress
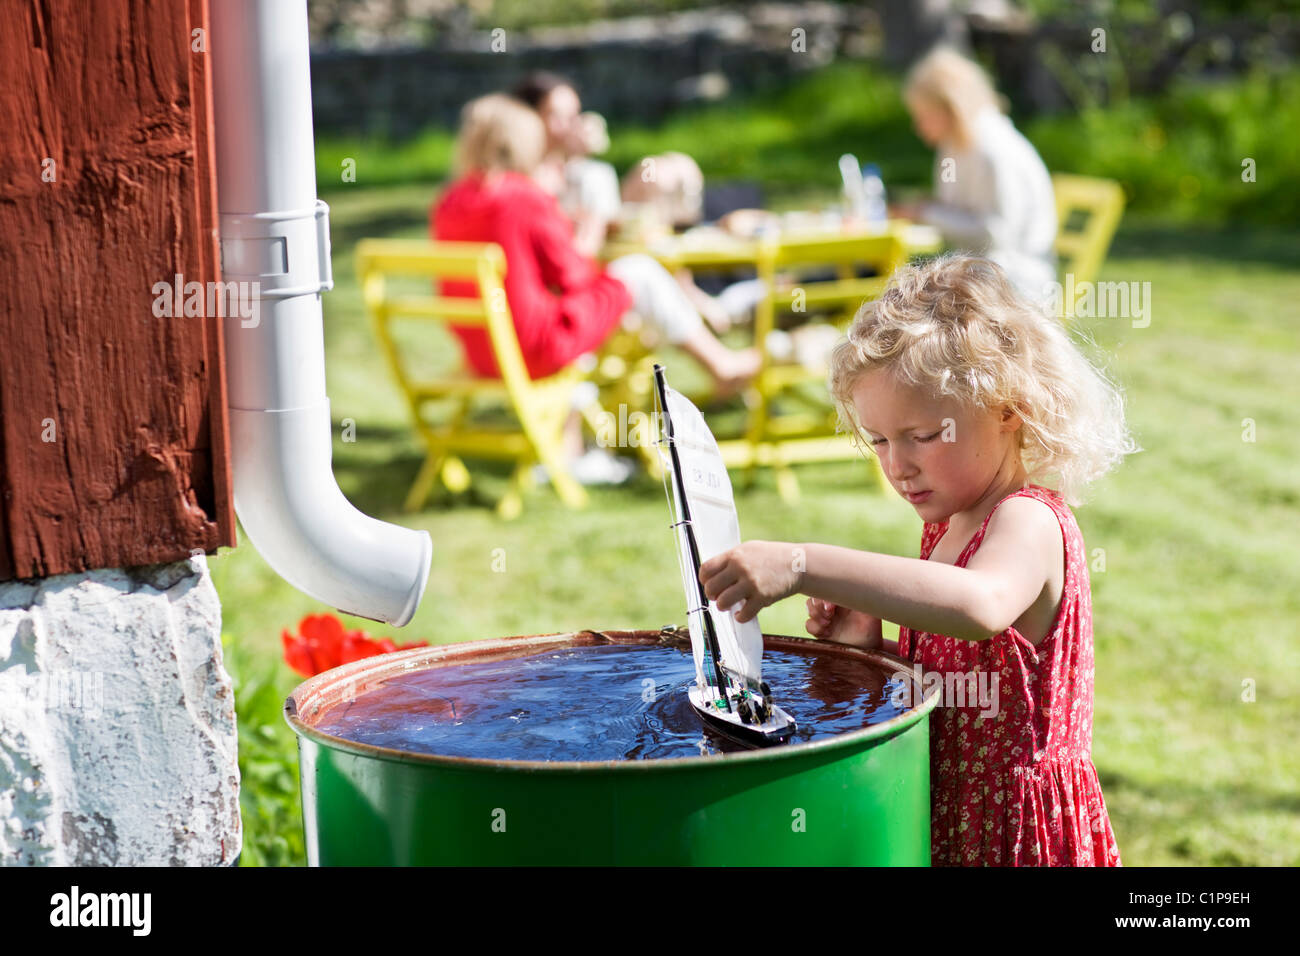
(965, 390)
(563, 303)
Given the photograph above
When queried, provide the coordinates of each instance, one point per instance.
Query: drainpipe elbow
(293, 511)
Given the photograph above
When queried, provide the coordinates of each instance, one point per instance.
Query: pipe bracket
(286, 252)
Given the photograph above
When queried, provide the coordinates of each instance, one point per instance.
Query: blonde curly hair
(957, 326)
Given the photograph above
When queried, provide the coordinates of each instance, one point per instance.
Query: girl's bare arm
(1003, 578)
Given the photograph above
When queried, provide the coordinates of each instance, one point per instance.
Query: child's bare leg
(658, 298)
(572, 436)
(709, 307)
(731, 369)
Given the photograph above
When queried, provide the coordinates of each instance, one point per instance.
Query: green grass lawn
(1199, 597)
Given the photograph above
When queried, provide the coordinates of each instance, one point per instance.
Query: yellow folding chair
(624, 379)
(1087, 212)
(538, 407)
(790, 419)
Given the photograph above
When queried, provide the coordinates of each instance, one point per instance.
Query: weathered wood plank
(113, 431)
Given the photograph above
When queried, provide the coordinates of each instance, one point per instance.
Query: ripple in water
(607, 702)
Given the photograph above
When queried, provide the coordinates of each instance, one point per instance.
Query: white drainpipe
(275, 232)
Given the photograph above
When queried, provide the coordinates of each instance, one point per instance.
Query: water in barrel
(602, 702)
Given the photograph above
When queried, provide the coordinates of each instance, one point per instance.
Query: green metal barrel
(860, 798)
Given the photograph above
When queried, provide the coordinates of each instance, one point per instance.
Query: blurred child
(967, 391)
(663, 194)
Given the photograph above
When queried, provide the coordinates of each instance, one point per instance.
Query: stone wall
(634, 69)
(117, 721)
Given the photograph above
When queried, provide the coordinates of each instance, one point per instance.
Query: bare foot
(732, 373)
(716, 316)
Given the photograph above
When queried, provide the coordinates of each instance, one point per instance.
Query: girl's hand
(833, 622)
(751, 576)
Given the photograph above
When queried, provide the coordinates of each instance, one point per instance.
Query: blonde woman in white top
(993, 195)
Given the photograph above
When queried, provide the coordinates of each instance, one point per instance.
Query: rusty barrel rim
(316, 692)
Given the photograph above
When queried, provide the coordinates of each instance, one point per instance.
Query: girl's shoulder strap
(1052, 499)
(930, 535)
(1046, 495)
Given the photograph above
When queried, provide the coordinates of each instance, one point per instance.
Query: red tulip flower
(321, 643)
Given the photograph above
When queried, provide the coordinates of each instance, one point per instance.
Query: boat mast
(711, 637)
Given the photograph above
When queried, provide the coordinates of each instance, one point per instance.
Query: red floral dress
(1017, 788)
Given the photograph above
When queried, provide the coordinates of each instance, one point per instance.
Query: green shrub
(269, 798)
(1179, 156)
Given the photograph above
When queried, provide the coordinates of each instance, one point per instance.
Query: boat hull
(778, 729)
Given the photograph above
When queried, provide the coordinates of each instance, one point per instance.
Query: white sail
(689, 583)
(716, 529)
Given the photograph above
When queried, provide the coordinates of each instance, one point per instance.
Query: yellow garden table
(803, 427)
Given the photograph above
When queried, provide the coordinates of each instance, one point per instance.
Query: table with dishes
(738, 240)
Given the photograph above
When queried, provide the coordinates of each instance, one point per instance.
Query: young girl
(965, 390)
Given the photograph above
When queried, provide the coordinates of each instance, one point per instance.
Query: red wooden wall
(113, 431)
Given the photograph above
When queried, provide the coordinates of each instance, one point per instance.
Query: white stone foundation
(117, 721)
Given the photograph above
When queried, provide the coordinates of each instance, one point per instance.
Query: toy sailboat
(729, 693)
